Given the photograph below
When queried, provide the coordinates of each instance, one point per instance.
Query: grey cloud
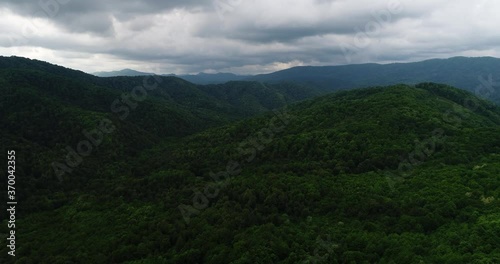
(94, 16)
(97, 23)
(201, 62)
(189, 36)
(52, 7)
(287, 33)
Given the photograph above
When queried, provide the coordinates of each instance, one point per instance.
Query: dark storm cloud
(94, 16)
(245, 36)
(131, 7)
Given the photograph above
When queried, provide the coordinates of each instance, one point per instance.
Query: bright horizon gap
(196, 73)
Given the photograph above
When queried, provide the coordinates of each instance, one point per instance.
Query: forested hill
(173, 107)
(47, 112)
(478, 75)
(403, 174)
(39, 98)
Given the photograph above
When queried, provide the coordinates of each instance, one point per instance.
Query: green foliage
(318, 183)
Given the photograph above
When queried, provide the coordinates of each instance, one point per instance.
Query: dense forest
(247, 172)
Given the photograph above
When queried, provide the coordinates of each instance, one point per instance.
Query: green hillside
(49, 114)
(399, 174)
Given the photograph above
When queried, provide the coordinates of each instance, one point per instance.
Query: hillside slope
(394, 174)
(70, 126)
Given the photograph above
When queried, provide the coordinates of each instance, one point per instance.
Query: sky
(244, 36)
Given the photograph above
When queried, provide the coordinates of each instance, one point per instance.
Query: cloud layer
(244, 36)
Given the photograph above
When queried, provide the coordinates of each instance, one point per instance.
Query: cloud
(243, 36)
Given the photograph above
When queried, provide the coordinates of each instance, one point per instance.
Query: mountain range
(200, 78)
(156, 169)
(475, 74)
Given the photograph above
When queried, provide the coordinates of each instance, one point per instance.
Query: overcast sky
(244, 36)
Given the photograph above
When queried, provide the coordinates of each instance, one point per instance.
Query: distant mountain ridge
(480, 75)
(200, 78)
(124, 72)
(213, 78)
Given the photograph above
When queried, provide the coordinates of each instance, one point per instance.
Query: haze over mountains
(124, 72)
(471, 73)
(200, 78)
(155, 169)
